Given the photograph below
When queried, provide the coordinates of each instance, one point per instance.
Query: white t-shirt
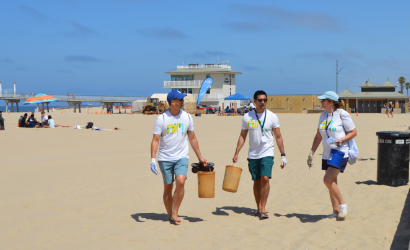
(44, 118)
(336, 130)
(173, 130)
(257, 148)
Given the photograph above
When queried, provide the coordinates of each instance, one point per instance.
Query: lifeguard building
(188, 79)
(372, 97)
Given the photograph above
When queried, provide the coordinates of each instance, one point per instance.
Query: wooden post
(17, 105)
(48, 111)
(12, 107)
(42, 106)
(75, 108)
(347, 105)
(7, 106)
(79, 108)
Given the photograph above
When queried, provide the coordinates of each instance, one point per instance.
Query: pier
(106, 101)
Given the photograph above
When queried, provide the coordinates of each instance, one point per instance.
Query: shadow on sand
(402, 236)
(238, 210)
(162, 217)
(368, 182)
(304, 218)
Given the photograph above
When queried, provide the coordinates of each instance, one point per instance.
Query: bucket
(206, 184)
(231, 178)
(335, 158)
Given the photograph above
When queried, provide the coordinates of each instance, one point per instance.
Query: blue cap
(329, 95)
(175, 94)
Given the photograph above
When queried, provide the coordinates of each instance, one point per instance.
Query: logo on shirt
(254, 124)
(323, 124)
(175, 128)
(334, 129)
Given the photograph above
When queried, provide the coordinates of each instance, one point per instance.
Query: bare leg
(331, 184)
(257, 193)
(265, 187)
(335, 203)
(168, 198)
(178, 196)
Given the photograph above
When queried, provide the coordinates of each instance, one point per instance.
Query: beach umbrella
(237, 97)
(40, 98)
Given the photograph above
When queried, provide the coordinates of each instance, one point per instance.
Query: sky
(124, 47)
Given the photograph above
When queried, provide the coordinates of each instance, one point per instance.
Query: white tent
(136, 106)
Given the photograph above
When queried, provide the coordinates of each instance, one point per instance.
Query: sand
(80, 189)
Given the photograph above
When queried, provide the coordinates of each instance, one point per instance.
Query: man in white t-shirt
(171, 131)
(44, 118)
(262, 126)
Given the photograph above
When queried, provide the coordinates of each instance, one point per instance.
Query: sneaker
(332, 216)
(342, 212)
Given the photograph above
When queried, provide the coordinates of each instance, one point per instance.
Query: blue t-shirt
(51, 123)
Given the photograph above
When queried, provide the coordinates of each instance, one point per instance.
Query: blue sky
(124, 47)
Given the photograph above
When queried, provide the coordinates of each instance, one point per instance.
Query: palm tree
(407, 84)
(401, 80)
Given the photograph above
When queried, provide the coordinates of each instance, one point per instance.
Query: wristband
(153, 160)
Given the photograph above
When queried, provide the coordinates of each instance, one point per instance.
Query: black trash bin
(1, 121)
(393, 158)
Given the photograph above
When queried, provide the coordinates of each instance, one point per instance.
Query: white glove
(310, 159)
(283, 161)
(154, 166)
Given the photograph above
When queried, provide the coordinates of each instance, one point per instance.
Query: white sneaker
(342, 212)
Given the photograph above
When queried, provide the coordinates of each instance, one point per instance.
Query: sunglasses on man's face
(263, 100)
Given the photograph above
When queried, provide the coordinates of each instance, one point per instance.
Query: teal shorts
(260, 167)
(170, 169)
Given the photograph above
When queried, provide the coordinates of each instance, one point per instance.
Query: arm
(350, 135)
(241, 141)
(154, 145)
(316, 141)
(279, 139)
(194, 144)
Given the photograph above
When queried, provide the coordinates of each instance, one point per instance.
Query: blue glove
(154, 166)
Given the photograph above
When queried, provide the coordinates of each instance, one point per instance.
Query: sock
(334, 215)
(343, 205)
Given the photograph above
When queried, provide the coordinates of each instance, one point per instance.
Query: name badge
(264, 138)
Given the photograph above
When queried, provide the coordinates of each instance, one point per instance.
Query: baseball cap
(329, 95)
(175, 94)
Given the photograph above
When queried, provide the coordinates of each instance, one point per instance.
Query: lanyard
(262, 125)
(328, 124)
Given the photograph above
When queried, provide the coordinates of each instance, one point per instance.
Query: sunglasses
(263, 100)
(323, 100)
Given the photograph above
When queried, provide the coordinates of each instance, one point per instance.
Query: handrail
(90, 98)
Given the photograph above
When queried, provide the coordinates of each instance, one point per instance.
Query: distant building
(188, 79)
(372, 97)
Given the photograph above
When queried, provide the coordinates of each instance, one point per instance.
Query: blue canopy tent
(237, 97)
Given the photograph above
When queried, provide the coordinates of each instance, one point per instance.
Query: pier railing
(84, 98)
(192, 84)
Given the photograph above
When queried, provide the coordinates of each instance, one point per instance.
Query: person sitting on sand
(32, 122)
(50, 122)
(263, 127)
(335, 130)
(22, 121)
(227, 110)
(44, 118)
(170, 132)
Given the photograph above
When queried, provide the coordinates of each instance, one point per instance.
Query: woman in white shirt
(335, 130)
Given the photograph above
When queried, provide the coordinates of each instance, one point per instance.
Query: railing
(210, 96)
(196, 66)
(89, 98)
(193, 83)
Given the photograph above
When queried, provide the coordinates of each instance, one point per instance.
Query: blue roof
(237, 97)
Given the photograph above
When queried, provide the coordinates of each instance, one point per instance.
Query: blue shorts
(342, 166)
(169, 169)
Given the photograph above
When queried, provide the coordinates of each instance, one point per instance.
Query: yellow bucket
(206, 184)
(232, 178)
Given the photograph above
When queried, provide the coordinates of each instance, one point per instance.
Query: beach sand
(81, 189)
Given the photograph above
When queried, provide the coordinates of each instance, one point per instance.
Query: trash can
(393, 158)
(1, 121)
